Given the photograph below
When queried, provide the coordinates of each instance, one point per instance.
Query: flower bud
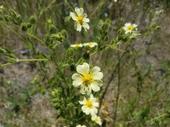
(32, 19)
(72, 67)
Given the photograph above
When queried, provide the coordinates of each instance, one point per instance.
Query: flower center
(89, 103)
(87, 78)
(80, 19)
(130, 28)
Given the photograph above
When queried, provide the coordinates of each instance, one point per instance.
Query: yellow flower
(96, 119)
(89, 105)
(88, 79)
(80, 125)
(130, 28)
(80, 18)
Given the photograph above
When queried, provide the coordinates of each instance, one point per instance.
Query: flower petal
(96, 69)
(95, 87)
(73, 16)
(77, 83)
(76, 80)
(83, 69)
(79, 11)
(76, 76)
(78, 27)
(86, 20)
(93, 111)
(97, 75)
(85, 110)
(86, 26)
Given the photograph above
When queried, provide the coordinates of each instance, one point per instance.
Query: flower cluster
(89, 80)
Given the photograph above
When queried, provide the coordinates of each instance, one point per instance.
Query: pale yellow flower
(80, 18)
(76, 45)
(130, 28)
(88, 79)
(80, 125)
(89, 105)
(90, 44)
(1, 7)
(96, 119)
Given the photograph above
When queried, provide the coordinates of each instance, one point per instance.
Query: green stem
(35, 37)
(23, 60)
(31, 60)
(113, 75)
(118, 90)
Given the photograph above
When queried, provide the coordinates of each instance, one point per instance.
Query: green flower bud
(86, 55)
(24, 27)
(29, 25)
(49, 21)
(18, 20)
(52, 29)
(7, 18)
(72, 67)
(32, 19)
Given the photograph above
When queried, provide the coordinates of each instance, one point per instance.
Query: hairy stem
(118, 91)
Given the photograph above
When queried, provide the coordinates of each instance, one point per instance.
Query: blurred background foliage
(42, 30)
